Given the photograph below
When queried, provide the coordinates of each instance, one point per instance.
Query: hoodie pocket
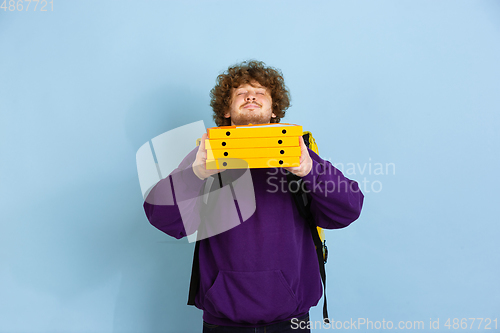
(251, 297)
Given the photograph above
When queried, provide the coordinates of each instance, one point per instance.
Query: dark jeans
(290, 326)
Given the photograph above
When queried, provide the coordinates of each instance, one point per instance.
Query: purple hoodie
(265, 269)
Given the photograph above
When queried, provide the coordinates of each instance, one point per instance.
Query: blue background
(82, 87)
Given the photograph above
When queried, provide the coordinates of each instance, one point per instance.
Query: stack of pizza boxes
(253, 146)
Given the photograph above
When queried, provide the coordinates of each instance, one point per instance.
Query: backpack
(303, 206)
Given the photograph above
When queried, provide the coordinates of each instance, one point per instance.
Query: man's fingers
(302, 143)
(303, 146)
(202, 143)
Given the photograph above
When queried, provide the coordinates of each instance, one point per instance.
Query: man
(263, 273)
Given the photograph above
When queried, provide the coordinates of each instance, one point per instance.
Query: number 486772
(456, 323)
(24, 5)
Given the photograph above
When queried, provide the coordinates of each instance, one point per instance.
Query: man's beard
(251, 118)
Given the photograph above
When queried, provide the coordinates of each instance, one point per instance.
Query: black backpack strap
(322, 271)
(195, 275)
(306, 139)
(305, 212)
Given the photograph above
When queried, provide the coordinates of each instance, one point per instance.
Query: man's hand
(199, 164)
(305, 161)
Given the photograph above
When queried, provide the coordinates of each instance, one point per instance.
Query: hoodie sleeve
(172, 205)
(336, 201)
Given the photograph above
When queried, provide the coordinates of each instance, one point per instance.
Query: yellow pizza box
(254, 131)
(253, 163)
(287, 141)
(253, 152)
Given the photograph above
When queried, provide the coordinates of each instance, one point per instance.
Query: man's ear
(227, 115)
(273, 115)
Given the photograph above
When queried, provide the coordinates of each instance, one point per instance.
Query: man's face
(250, 104)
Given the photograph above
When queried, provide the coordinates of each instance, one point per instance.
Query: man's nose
(250, 96)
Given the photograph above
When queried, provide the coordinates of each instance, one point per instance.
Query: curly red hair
(247, 72)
